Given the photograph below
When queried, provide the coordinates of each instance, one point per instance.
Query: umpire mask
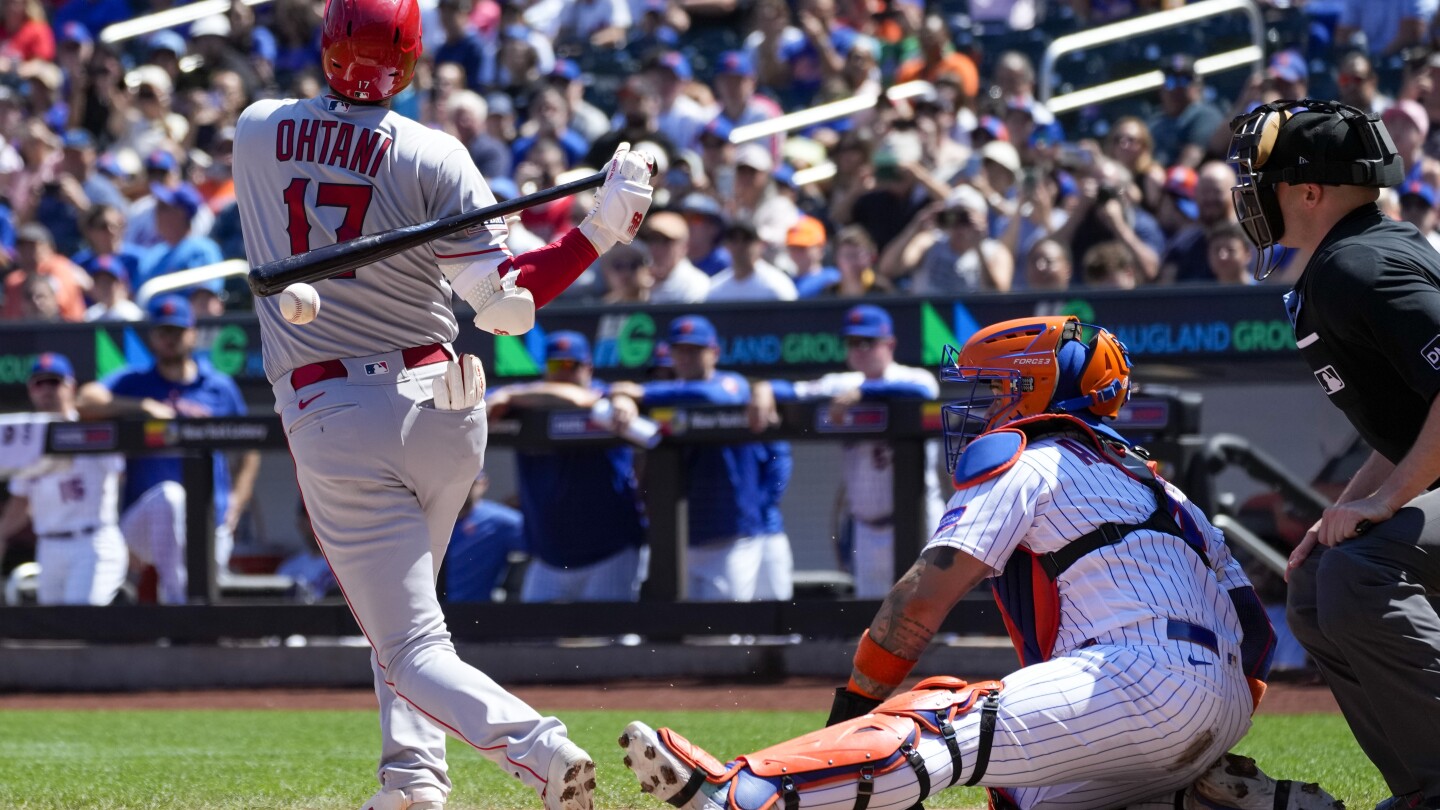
(1303, 141)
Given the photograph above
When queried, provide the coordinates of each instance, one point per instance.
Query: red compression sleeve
(547, 271)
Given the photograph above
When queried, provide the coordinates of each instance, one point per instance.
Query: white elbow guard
(501, 307)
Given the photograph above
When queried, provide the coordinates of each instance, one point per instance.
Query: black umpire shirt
(1366, 313)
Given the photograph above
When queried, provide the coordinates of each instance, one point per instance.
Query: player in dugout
(1143, 646)
(868, 465)
(608, 563)
(729, 558)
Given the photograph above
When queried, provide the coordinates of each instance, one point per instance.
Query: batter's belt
(415, 357)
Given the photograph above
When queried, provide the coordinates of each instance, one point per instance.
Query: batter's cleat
(571, 780)
(666, 775)
(418, 797)
(1236, 783)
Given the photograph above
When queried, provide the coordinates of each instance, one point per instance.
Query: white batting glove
(501, 307)
(462, 386)
(620, 204)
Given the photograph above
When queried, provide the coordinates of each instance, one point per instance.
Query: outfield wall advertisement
(1237, 332)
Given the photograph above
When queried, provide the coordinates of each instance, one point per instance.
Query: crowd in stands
(115, 157)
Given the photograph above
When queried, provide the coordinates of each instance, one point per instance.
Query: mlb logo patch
(949, 520)
(1431, 353)
(336, 105)
(381, 367)
(1330, 380)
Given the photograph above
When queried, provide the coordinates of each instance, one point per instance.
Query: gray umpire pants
(1366, 612)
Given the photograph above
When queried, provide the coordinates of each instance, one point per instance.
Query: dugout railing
(1165, 419)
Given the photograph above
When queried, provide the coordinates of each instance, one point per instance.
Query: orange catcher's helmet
(369, 47)
(1030, 366)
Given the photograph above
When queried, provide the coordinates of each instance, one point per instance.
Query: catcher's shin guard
(837, 768)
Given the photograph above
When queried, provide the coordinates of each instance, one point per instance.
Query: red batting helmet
(369, 47)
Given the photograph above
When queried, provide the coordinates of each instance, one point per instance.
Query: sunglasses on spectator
(45, 382)
(625, 267)
(863, 344)
(1175, 82)
(561, 365)
(1349, 79)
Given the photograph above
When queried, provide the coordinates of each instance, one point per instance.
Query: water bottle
(641, 431)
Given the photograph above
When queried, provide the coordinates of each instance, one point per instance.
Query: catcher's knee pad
(857, 751)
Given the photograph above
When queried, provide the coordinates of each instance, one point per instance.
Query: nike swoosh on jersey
(1198, 663)
(305, 402)
(1307, 340)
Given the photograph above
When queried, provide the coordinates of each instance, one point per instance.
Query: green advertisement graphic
(512, 359)
(109, 358)
(935, 335)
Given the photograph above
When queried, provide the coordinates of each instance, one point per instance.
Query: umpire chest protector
(1026, 590)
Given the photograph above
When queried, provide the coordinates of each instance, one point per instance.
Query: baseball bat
(342, 257)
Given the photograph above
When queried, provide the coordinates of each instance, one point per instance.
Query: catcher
(1143, 645)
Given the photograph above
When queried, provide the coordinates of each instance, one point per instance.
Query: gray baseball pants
(384, 474)
(1366, 612)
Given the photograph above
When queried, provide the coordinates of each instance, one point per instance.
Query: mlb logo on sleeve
(949, 520)
(1431, 353)
(1330, 380)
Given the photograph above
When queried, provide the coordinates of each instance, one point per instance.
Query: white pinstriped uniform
(74, 512)
(868, 470)
(1124, 721)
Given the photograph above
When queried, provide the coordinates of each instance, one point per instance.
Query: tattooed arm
(916, 606)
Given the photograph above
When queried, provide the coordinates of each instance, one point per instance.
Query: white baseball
(299, 303)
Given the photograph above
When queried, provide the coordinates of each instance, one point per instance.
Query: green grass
(272, 760)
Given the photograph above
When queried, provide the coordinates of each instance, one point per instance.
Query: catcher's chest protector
(856, 751)
(1026, 589)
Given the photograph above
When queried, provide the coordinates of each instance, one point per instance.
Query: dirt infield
(801, 694)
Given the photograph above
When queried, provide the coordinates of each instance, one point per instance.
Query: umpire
(1366, 313)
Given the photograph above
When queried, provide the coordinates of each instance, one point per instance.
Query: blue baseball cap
(111, 264)
(50, 364)
(1424, 191)
(675, 62)
(160, 160)
(734, 63)
(166, 40)
(1289, 65)
(661, 358)
(500, 104)
(75, 31)
(77, 139)
(565, 69)
(868, 320)
(503, 187)
(993, 127)
(692, 330)
(172, 310)
(182, 196)
(719, 127)
(700, 204)
(566, 345)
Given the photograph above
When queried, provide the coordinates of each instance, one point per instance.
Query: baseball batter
(74, 510)
(868, 468)
(1136, 627)
(387, 426)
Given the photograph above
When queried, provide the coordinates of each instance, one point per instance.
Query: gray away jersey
(313, 172)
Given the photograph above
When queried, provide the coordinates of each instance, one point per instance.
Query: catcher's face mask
(1251, 145)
